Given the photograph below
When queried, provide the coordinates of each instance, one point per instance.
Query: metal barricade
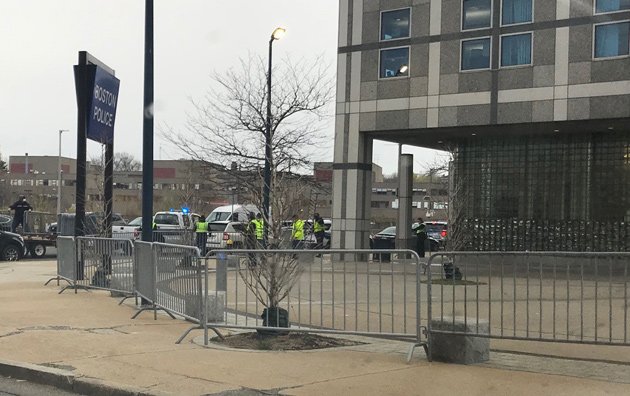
(105, 263)
(170, 278)
(541, 296)
(66, 261)
(332, 291)
(144, 270)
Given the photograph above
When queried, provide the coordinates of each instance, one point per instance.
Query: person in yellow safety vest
(260, 229)
(202, 234)
(318, 230)
(297, 233)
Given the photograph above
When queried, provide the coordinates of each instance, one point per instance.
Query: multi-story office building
(532, 98)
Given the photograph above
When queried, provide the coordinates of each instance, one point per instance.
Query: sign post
(97, 98)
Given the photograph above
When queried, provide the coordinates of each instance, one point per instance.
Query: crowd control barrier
(561, 297)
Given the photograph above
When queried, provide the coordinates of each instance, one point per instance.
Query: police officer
(421, 237)
(297, 232)
(318, 230)
(20, 206)
(202, 234)
(260, 230)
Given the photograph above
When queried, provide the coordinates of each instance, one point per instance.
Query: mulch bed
(288, 342)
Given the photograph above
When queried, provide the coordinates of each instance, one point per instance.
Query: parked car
(437, 230)
(131, 230)
(235, 213)
(12, 246)
(93, 223)
(220, 232)
(175, 220)
(386, 239)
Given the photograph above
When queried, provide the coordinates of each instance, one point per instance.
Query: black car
(437, 230)
(11, 246)
(386, 239)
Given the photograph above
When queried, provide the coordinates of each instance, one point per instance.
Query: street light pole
(276, 35)
(59, 173)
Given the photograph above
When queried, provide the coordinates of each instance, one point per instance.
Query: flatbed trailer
(36, 243)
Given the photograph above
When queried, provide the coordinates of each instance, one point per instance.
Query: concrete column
(404, 239)
(352, 167)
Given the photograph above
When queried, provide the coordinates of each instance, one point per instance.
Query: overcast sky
(40, 40)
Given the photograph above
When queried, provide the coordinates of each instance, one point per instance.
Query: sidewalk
(87, 338)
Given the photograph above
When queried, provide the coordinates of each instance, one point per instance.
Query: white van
(238, 213)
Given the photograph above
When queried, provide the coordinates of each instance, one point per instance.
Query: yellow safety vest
(317, 227)
(202, 226)
(260, 228)
(298, 230)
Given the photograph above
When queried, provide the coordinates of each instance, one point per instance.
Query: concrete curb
(67, 380)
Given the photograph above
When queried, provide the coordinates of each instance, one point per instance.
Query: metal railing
(66, 261)
(333, 291)
(100, 263)
(541, 296)
(170, 278)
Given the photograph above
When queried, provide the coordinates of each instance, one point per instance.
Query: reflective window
(395, 24)
(611, 5)
(516, 49)
(394, 62)
(612, 39)
(476, 54)
(477, 14)
(516, 11)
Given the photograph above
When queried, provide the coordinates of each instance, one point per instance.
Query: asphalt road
(13, 387)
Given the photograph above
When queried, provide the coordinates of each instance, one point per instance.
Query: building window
(516, 11)
(602, 6)
(394, 62)
(476, 14)
(612, 39)
(476, 54)
(516, 50)
(395, 24)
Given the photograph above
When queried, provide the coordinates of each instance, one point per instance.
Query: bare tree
(3, 165)
(229, 128)
(460, 196)
(125, 162)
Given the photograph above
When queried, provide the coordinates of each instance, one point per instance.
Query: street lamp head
(402, 70)
(278, 33)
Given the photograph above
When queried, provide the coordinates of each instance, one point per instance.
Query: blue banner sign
(102, 111)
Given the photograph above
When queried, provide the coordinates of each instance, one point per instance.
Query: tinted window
(186, 221)
(612, 39)
(395, 24)
(136, 222)
(217, 227)
(612, 5)
(476, 54)
(389, 231)
(118, 221)
(477, 14)
(516, 50)
(435, 227)
(516, 11)
(394, 62)
(238, 227)
(166, 218)
(218, 216)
